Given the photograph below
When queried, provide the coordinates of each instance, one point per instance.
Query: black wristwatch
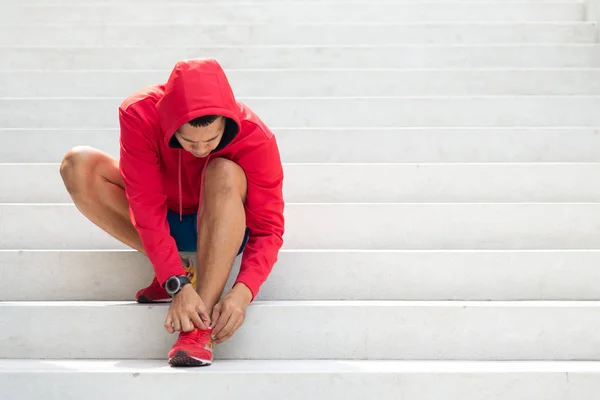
(174, 284)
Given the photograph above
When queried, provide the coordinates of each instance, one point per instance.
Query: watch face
(172, 285)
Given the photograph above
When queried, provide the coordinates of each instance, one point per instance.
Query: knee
(77, 168)
(225, 178)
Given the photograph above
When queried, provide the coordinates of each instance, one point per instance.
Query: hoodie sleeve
(264, 214)
(140, 167)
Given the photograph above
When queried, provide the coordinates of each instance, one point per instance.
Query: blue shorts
(185, 232)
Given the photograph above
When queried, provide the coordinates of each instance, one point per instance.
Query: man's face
(200, 141)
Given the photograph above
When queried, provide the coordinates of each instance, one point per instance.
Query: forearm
(243, 292)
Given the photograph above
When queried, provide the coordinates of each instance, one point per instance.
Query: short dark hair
(203, 121)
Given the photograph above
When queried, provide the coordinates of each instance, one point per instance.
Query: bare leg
(94, 182)
(96, 186)
(222, 227)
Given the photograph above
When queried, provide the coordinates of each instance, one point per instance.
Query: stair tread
(297, 366)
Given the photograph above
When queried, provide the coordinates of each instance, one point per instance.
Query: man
(198, 171)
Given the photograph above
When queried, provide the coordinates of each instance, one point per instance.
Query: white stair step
(370, 82)
(444, 183)
(435, 145)
(215, 2)
(319, 330)
(423, 111)
(274, 12)
(351, 226)
(370, 183)
(323, 275)
(298, 34)
(368, 56)
(299, 379)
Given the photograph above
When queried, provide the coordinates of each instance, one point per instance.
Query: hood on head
(196, 88)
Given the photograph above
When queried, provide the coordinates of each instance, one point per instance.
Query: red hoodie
(159, 174)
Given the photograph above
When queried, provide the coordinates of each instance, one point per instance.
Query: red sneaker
(192, 349)
(157, 294)
(153, 294)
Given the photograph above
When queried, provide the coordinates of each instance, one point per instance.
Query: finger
(224, 339)
(169, 324)
(176, 325)
(226, 333)
(223, 321)
(197, 321)
(204, 317)
(228, 328)
(186, 325)
(215, 315)
(235, 328)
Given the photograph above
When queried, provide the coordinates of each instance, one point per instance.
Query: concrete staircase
(443, 221)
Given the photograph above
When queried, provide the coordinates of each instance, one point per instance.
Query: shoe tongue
(200, 333)
(203, 332)
(189, 337)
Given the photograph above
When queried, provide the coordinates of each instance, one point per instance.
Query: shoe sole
(182, 359)
(145, 300)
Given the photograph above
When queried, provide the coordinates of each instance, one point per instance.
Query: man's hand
(228, 315)
(187, 310)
